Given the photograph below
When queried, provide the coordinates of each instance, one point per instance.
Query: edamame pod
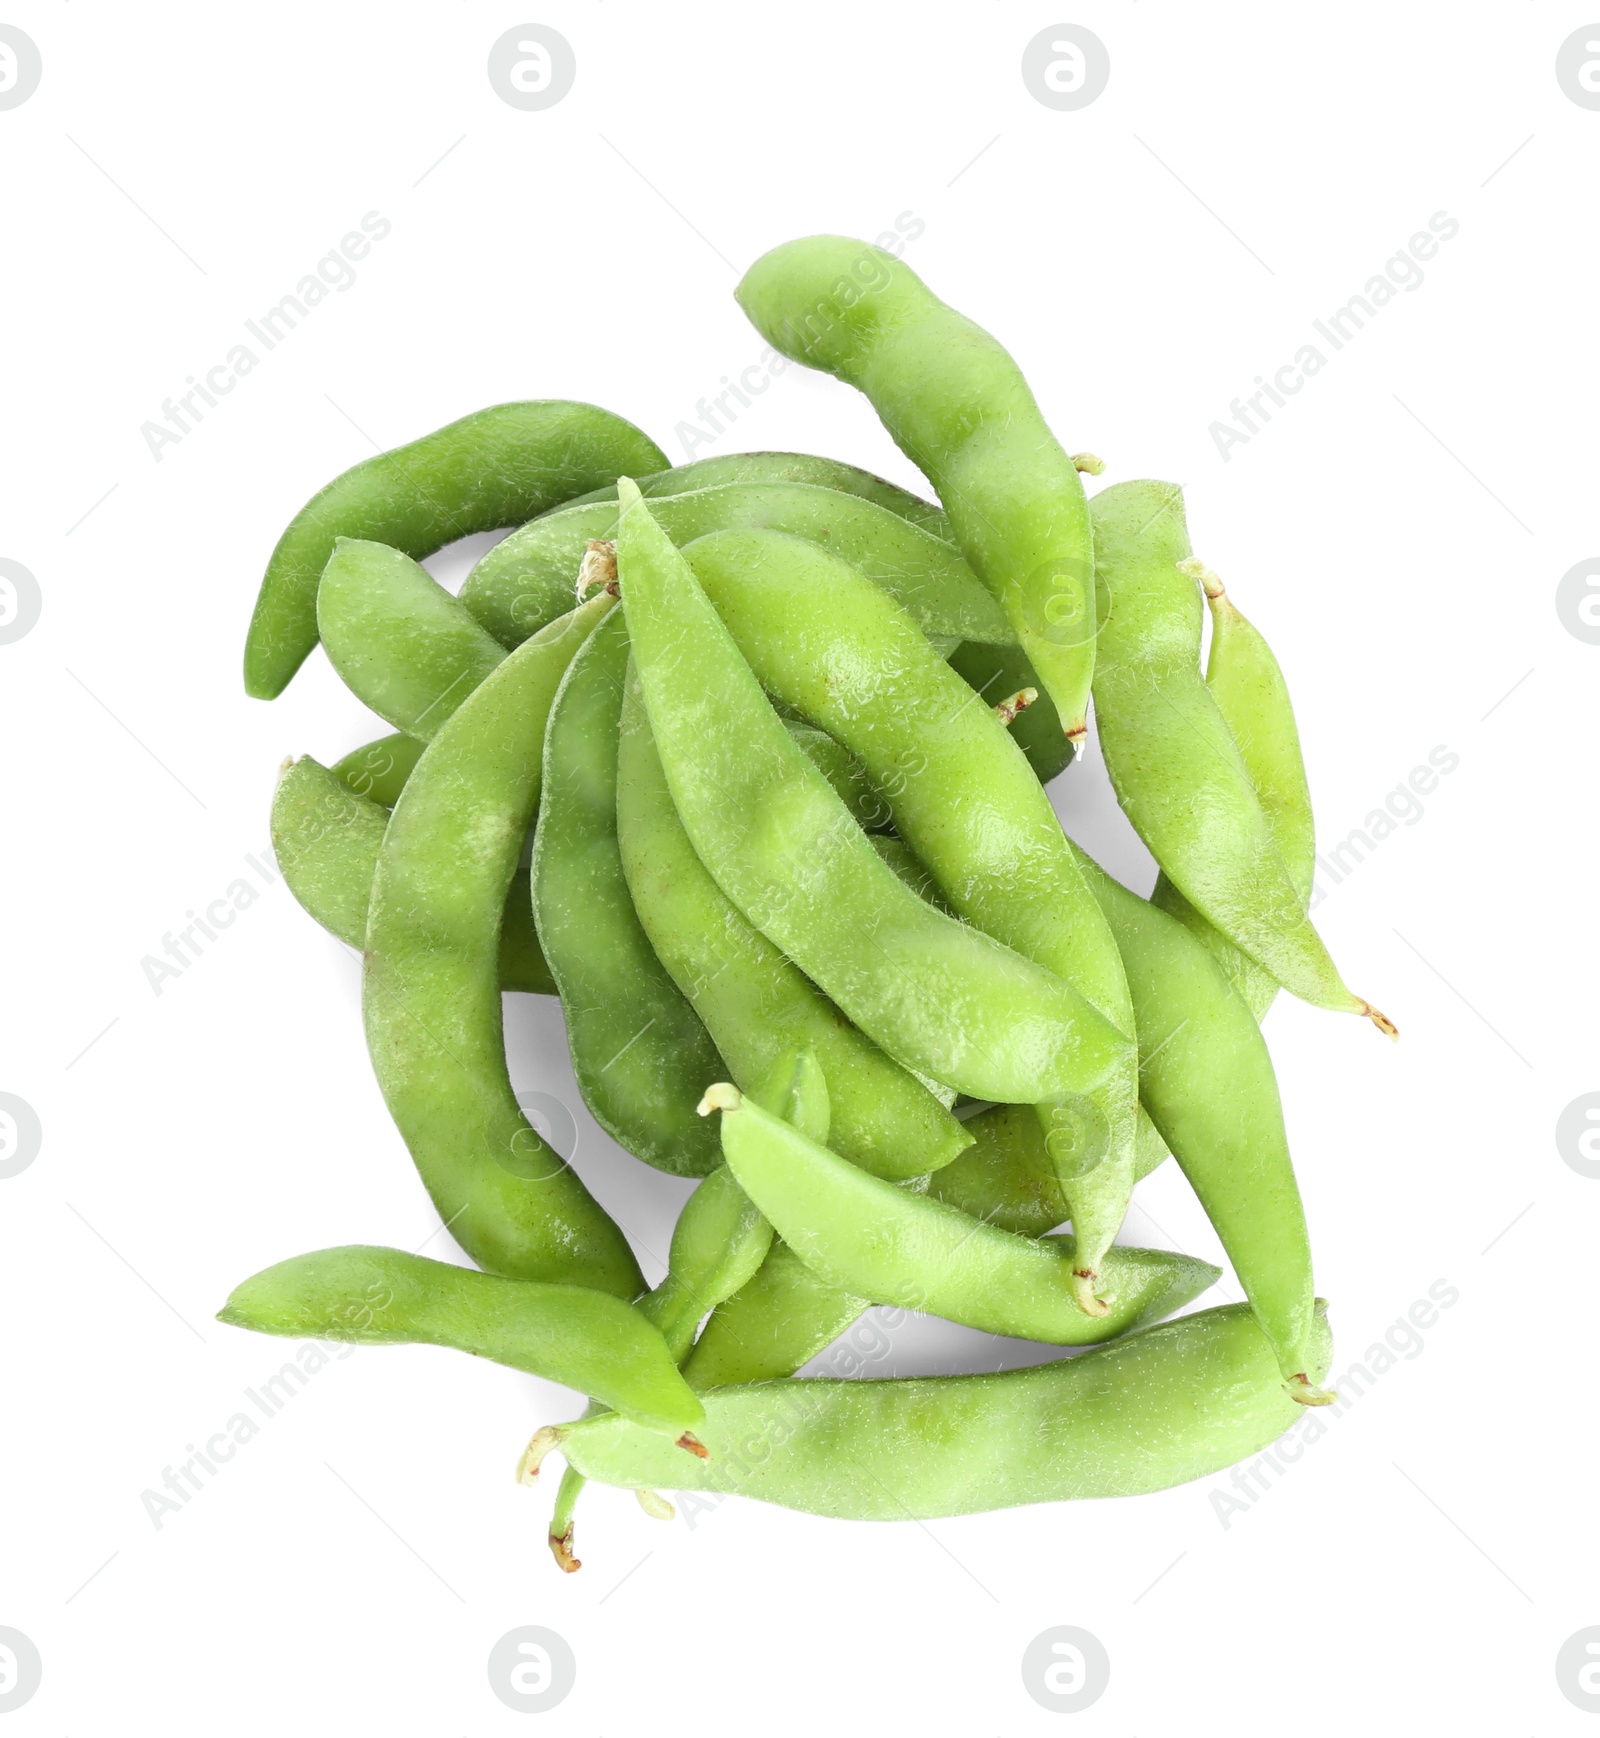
(369, 1296)
(870, 1238)
(402, 643)
(1006, 1177)
(1207, 1082)
(527, 579)
(430, 994)
(327, 839)
(824, 641)
(958, 408)
(638, 1048)
(943, 999)
(756, 1004)
(496, 467)
(822, 473)
(379, 770)
(1253, 698)
(1157, 1408)
(1176, 769)
(998, 672)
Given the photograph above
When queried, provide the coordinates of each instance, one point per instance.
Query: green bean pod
(496, 467)
(1175, 766)
(528, 578)
(756, 1004)
(402, 643)
(718, 1245)
(867, 1237)
(327, 840)
(724, 468)
(1253, 698)
(639, 1050)
(1158, 1408)
(958, 407)
(368, 1296)
(1206, 1080)
(943, 999)
(379, 770)
(841, 653)
(431, 996)
(998, 674)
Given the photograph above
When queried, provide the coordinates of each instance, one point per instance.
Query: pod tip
(1019, 702)
(561, 1550)
(1084, 1295)
(655, 1505)
(694, 1445)
(1195, 568)
(598, 568)
(1381, 1020)
(1089, 463)
(721, 1096)
(1303, 1389)
(1078, 733)
(539, 1445)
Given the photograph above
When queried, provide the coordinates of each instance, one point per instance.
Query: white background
(1398, 531)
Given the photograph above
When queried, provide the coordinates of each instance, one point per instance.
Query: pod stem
(1197, 569)
(548, 1436)
(1007, 710)
(1084, 1280)
(561, 1550)
(723, 1095)
(598, 568)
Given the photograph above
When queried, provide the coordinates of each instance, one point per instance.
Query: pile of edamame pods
(745, 760)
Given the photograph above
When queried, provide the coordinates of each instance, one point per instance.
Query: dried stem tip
(722, 1096)
(1089, 463)
(539, 1445)
(655, 1505)
(1197, 569)
(1007, 710)
(598, 568)
(561, 1550)
(1303, 1389)
(1382, 1021)
(694, 1445)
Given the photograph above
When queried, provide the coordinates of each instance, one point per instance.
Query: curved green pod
(378, 770)
(327, 839)
(824, 641)
(497, 467)
(958, 407)
(941, 998)
(869, 1238)
(528, 578)
(1158, 1408)
(1248, 686)
(369, 1296)
(999, 672)
(639, 1051)
(402, 643)
(756, 1003)
(1175, 765)
(1206, 1080)
(811, 468)
(430, 989)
